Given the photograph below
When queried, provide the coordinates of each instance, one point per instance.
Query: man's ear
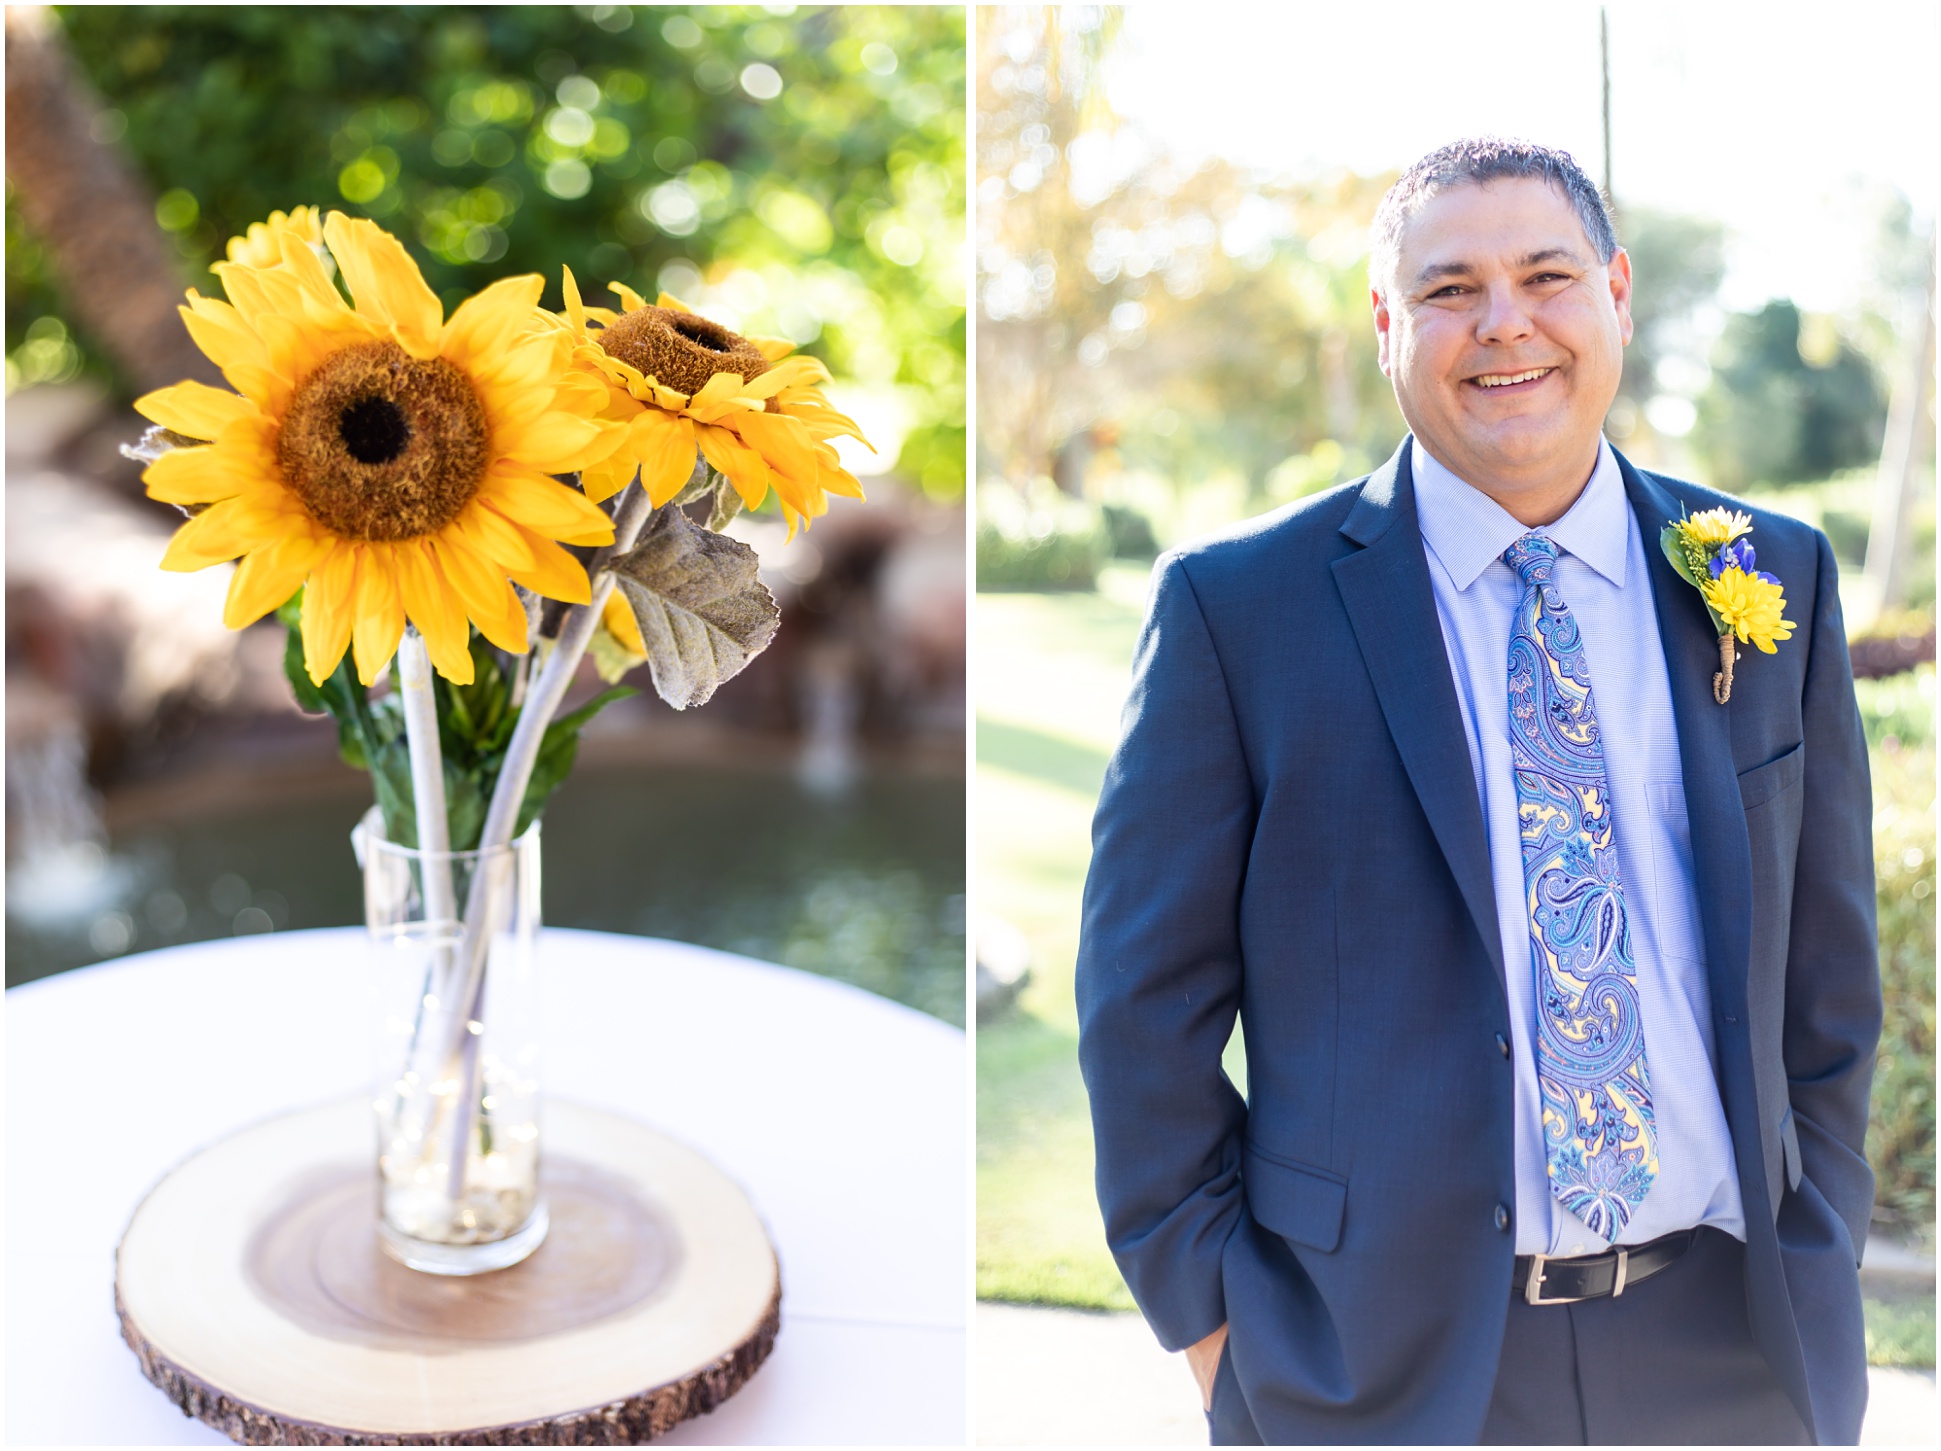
(1619, 269)
(1380, 306)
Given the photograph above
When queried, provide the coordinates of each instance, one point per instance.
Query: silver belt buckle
(1533, 1287)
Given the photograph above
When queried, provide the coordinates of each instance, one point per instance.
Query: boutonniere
(1745, 602)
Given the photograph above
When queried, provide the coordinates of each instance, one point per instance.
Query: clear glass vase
(452, 947)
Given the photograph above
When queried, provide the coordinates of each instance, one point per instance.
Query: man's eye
(1543, 277)
(1452, 290)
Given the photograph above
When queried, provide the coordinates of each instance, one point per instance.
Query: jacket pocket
(1296, 1201)
(1762, 783)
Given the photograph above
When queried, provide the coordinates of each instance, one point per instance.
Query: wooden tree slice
(251, 1287)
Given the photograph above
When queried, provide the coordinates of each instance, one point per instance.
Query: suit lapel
(1385, 587)
(1721, 853)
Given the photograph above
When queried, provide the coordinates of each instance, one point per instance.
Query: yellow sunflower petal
(741, 465)
(491, 537)
(225, 530)
(258, 246)
(320, 295)
(558, 443)
(489, 599)
(575, 307)
(538, 503)
(204, 475)
(233, 346)
(663, 445)
(328, 606)
(268, 577)
(484, 326)
(617, 617)
(608, 477)
(780, 440)
(630, 301)
(719, 396)
(774, 349)
(201, 542)
(431, 605)
(194, 410)
(667, 300)
(386, 285)
(555, 573)
(377, 617)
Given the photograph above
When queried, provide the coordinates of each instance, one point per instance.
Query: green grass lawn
(1052, 672)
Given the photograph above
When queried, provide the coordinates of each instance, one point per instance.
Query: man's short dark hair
(1478, 162)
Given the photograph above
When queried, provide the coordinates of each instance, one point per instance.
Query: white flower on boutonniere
(1745, 602)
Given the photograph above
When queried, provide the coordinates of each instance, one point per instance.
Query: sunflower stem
(543, 697)
(427, 772)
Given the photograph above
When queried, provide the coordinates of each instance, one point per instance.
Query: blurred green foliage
(1034, 538)
(792, 171)
(1787, 404)
(1899, 715)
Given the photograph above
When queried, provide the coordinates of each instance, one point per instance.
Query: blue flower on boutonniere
(1745, 602)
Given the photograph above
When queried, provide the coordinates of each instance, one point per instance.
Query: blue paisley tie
(1598, 1130)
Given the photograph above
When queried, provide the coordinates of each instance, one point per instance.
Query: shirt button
(1503, 1045)
(1503, 1217)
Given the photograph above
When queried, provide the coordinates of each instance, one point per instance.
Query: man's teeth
(1503, 380)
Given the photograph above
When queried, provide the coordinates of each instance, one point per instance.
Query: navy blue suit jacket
(1290, 831)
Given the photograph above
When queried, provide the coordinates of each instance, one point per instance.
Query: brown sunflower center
(382, 446)
(679, 349)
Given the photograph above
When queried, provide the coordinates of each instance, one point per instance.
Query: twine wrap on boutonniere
(1745, 602)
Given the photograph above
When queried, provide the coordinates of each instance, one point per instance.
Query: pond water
(866, 885)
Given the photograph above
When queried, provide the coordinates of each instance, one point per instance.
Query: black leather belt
(1549, 1280)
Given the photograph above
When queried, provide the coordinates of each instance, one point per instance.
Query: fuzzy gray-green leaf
(702, 612)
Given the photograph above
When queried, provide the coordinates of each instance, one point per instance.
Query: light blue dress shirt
(1602, 574)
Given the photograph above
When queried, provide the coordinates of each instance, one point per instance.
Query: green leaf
(1675, 552)
(727, 504)
(703, 613)
(558, 749)
(466, 800)
(391, 779)
(309, 699)
(1674, 549)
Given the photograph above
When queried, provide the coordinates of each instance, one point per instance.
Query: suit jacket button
(1503, 1217)
(1503, 1045)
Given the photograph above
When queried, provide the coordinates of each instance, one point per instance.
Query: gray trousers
(1668, 1362)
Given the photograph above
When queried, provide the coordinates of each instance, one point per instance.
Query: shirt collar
(1468, 530)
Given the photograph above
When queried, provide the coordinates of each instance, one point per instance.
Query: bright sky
(1776, 119)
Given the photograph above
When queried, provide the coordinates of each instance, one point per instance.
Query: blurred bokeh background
(1174, 333)
(785, 170)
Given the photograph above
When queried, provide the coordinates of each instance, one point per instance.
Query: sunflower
(1750, 605)
(679, 382)
(390, 462)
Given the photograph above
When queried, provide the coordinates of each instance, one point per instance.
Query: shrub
(1899, 714)
(1038, 541)
(1130, 531)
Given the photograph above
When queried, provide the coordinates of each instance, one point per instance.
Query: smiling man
(1556, 971)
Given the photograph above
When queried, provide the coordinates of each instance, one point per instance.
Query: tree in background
(1193, 321)
(1774, 414)
(791, 171)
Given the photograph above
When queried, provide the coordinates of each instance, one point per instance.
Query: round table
(842, 1115)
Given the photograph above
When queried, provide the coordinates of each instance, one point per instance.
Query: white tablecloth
(843, 1115)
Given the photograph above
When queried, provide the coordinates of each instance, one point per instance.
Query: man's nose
(1505, 318)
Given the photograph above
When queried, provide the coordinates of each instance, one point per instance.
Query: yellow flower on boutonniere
(1745, 602)
(1750, 605)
